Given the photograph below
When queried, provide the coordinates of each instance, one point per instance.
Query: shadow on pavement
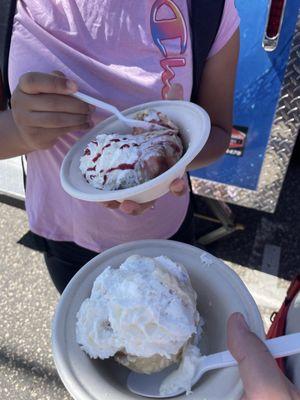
(29, 368)
(12, 201)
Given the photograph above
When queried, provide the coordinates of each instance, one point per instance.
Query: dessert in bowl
(120, 161)
(113, 162)
(142, 313)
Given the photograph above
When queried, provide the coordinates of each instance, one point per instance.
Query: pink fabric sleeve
(229, 24)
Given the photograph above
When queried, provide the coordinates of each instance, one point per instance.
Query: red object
(122, 167)
(279, 318)
(237, 139)
(275, 15)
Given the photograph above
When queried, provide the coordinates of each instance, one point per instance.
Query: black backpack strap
(206, 16)
(7, 12)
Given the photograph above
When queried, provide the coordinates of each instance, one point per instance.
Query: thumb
(261, 377)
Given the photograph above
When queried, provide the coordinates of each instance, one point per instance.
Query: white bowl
(220, 293)
(194, 124)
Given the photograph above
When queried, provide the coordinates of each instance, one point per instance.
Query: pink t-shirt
(126, 53)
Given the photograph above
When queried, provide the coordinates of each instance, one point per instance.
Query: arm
(11, 144)
(216, 97)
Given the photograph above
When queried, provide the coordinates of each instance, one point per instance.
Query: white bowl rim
(120, 194)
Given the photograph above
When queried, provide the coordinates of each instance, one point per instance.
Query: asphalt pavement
(269, 242)
(27, 303)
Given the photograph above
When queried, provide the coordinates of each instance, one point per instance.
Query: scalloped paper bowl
(194, 125)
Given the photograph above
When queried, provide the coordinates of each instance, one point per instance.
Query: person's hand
(178, 188)
(43, 109)
(262, 379)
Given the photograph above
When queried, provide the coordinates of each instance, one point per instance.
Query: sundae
(143, 314)
(119, 161)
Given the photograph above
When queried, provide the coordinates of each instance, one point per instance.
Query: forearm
(11, 144)
(216, 95)
(214, 148)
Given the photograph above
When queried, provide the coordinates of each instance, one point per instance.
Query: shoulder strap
(206, 16)
(7, 13)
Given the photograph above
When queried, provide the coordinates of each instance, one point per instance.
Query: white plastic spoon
(149, 385)
(133, 123)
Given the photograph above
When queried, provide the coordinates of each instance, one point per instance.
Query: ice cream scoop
(119, 161)
(142, 313)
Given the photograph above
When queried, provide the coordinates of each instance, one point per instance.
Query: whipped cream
(118, 161)
(182, 378)
(156, 117)
(144, 308)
